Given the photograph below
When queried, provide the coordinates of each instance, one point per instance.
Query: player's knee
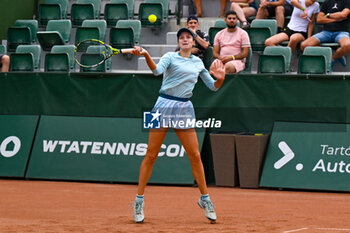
(151, 155)
(195, 157)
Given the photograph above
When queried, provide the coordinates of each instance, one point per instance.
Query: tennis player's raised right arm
(140, 51)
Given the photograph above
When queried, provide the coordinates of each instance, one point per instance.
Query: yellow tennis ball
(152, 18)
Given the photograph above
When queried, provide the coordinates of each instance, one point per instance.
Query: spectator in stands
(244, 9)
(198, 4)
(4, 63)
(334, 15)
(231, 45)
(278, 8)
(201, 38)
(300, 26)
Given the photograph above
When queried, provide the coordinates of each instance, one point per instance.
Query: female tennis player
(181, 70)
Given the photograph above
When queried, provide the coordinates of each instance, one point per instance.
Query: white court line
(334, 229)
(300, 229)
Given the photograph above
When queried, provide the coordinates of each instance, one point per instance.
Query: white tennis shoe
(208, 208)
(138, 211)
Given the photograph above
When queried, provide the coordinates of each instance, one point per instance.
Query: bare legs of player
(188, 138)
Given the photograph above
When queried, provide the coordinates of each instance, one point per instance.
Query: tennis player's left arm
(218, 71)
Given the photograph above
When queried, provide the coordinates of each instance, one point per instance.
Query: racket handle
(126, 50)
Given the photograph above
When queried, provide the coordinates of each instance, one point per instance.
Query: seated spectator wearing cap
(201, 38)
(244, 10)
(4, 63)
(231, 45)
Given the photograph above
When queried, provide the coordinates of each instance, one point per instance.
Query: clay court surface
(47, 206)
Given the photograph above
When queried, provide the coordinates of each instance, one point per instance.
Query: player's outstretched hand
(218, 70)
(139, 51)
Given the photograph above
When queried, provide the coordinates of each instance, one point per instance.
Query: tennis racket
(92, 53)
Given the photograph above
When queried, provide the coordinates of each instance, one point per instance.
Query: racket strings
(92, 53)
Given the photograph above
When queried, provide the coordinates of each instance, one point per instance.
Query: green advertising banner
(16, 138)
(104, 149)
(308, 156)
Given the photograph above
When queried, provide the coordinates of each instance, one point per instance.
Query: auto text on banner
(104, 149)
(308, 156)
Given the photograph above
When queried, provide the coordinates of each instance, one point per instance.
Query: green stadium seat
(121, 38)
(100, 24)
(95, 49)
(69, 50)
(159, 8)
(85, 9)
(91, 29)
(17, 36)
(332, 45)
(35, 50)
(32, 24)
(280, 50)
(57, 32)
(61, 59)
(26, 58)
(64, 6)
(117, 10)
(220, 23)
(248, 63)
(259, 31)
(22, 62)
(48, 12)
(312, 64)
(89, 59)
(269, 23)
(22, 33)
(51, 10)
(3, 49)
(325, 51)
(208, 57)
(271, 64)
(126, 34)
(56, 62)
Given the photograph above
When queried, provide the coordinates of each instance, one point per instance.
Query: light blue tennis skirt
(175, 114)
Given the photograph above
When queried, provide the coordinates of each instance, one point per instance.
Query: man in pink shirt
(231, 45)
